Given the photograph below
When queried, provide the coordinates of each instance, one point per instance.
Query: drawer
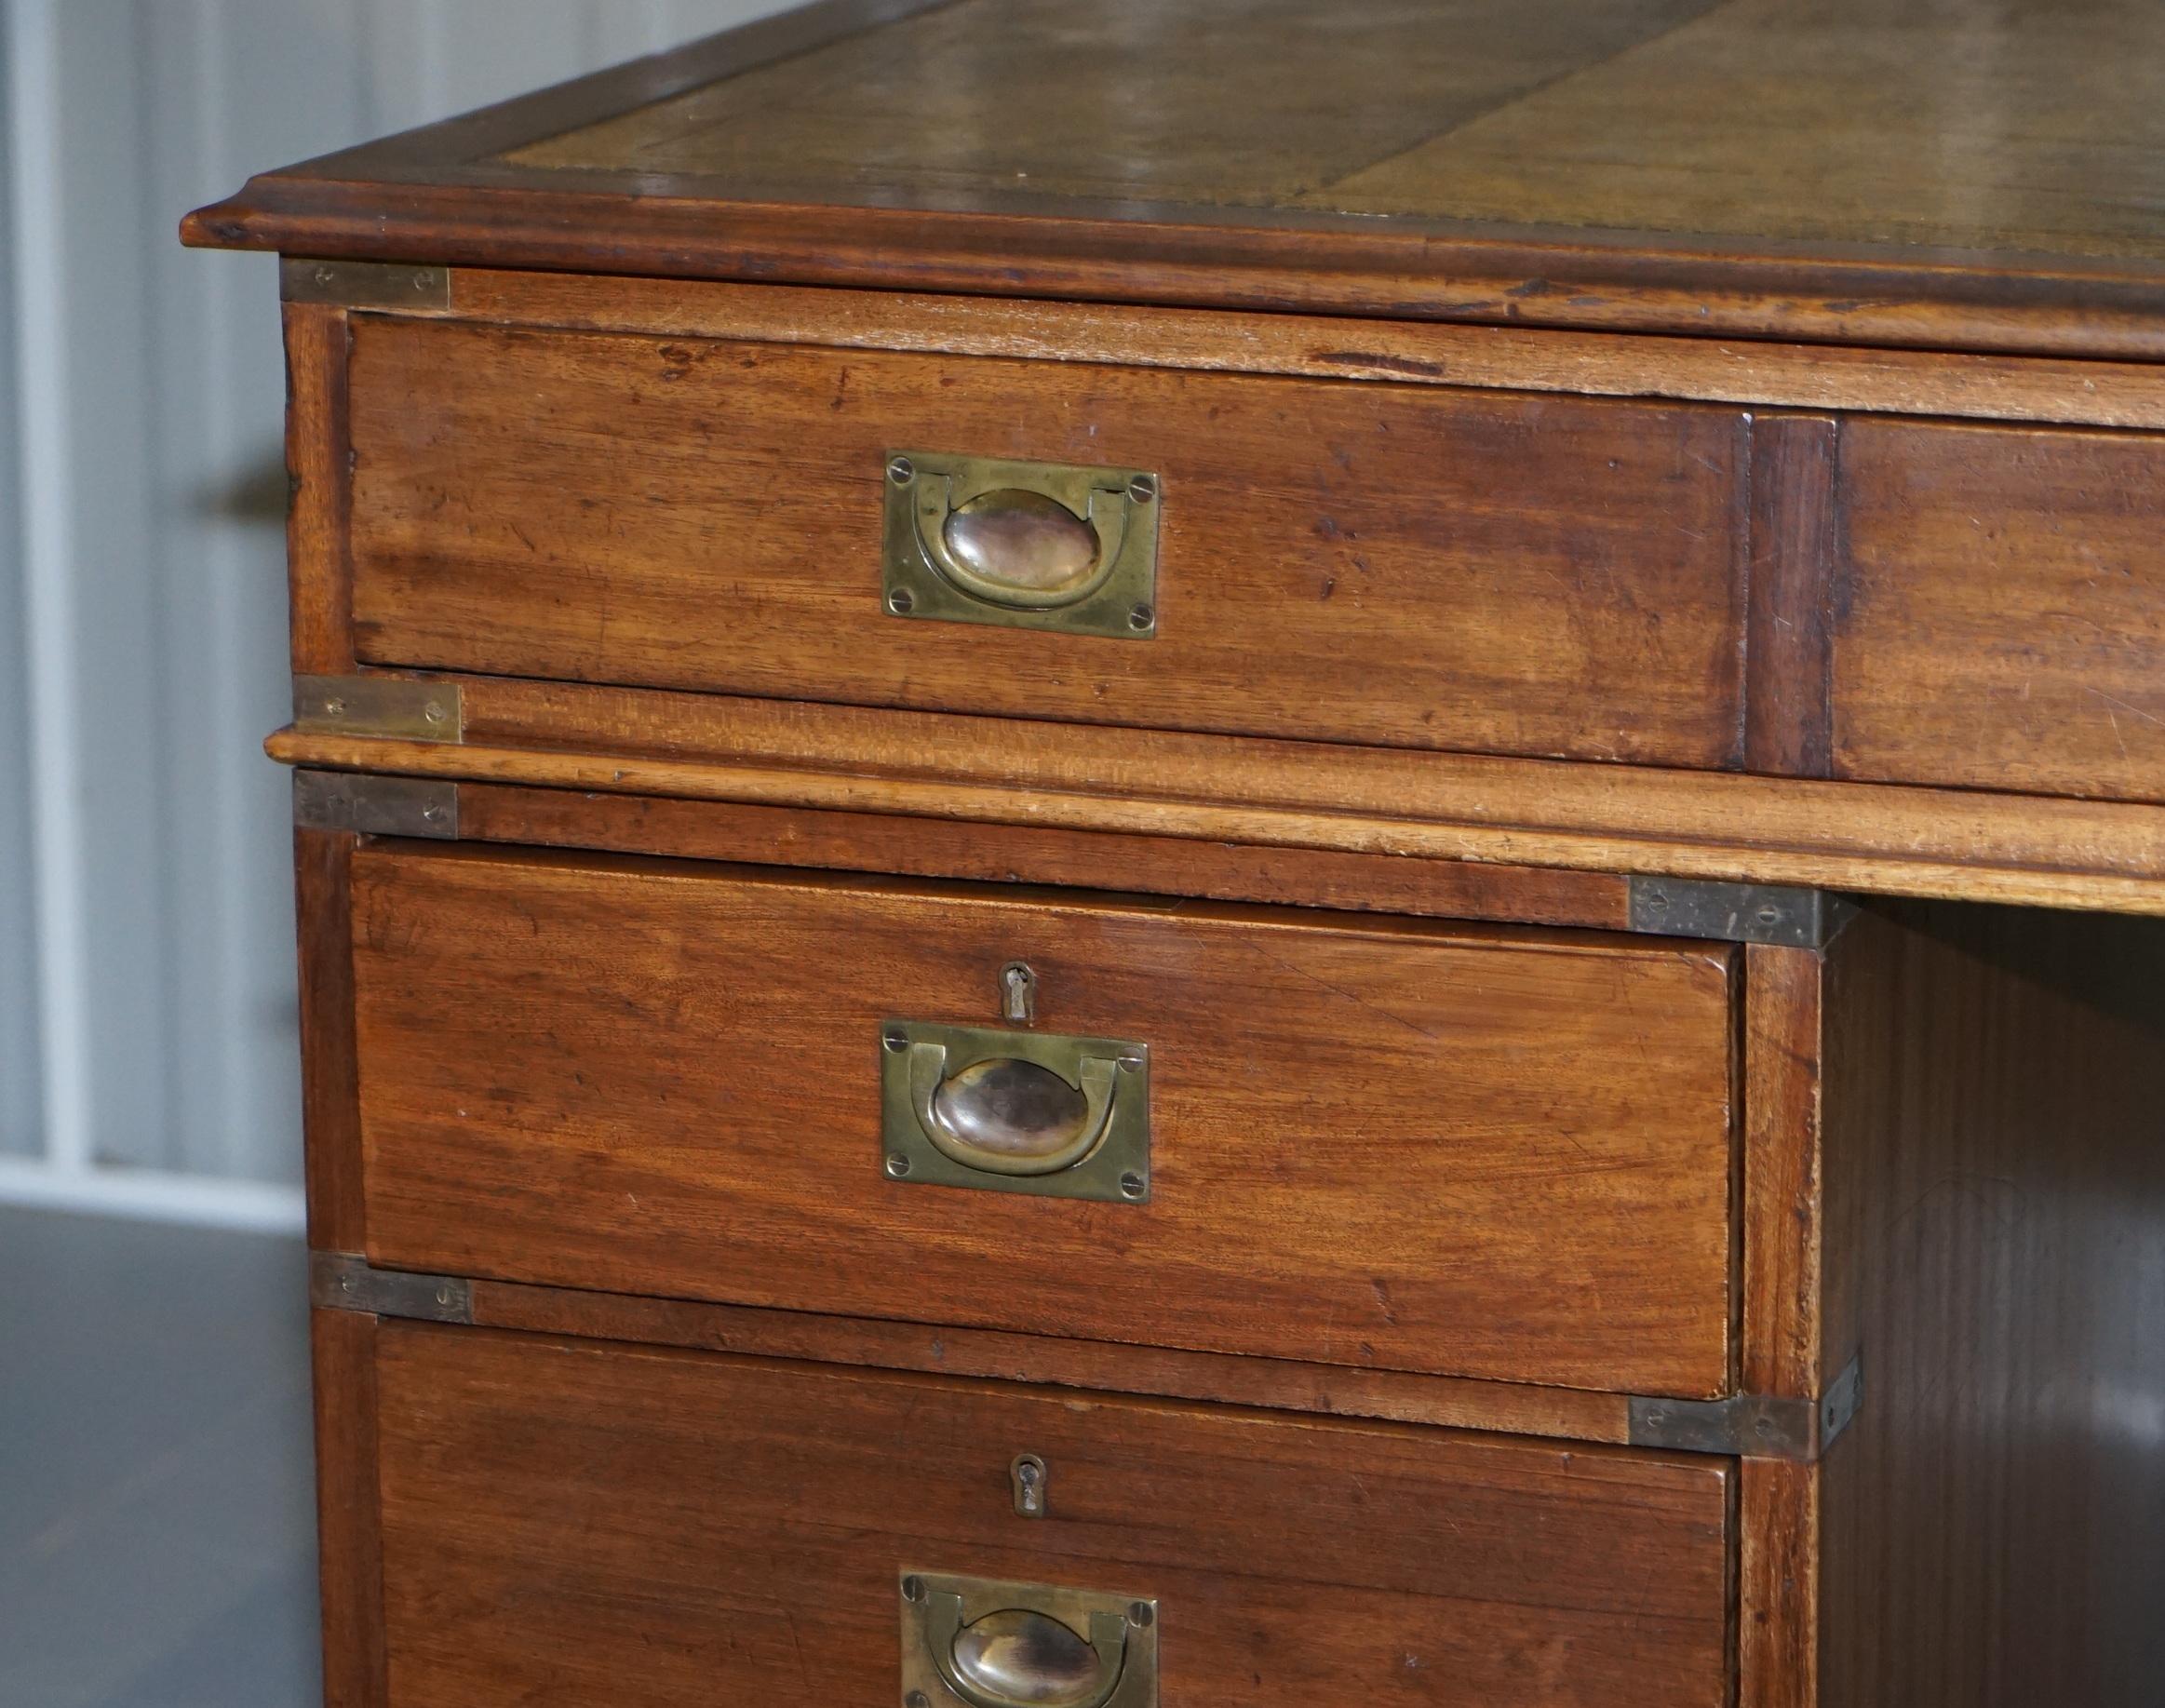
(1402, 565)
(2002, 624)
(1478, 1151)
(568, 1522)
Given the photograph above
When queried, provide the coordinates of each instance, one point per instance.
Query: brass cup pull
(1007, 1116)
(1015, 1111)
(1014, 546)
(1019, 1658)
(1000, 1645)
(1025, 545)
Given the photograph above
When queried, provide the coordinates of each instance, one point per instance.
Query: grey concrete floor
(156, 1519)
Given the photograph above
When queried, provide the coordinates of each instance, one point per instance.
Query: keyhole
(1019, 993)
(1028, 1475)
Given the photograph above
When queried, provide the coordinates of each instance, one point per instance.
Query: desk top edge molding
(510, 186)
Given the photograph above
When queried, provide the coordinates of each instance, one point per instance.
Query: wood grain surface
(1783, 1176)
(1778, 1587)
(348, 1512)
(1845, 836)
(320, 472)
(1785, 1344)
(571, 1521)
(1024, 854)
(1794, 579)
(331, 1118)
(1277, 1384)
(2002, 620)
(1792, 376)
(1473, 1151)
(1993, 1526)
(1396, 565)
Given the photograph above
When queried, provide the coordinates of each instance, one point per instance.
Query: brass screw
(898, 1042)
(335, 709)
(1141, 616)
(434, 712)
(1142, 489)
(899, 602)
(1139, 1614)
(897, 1164)
(917, 1698)
(913, 1589)
(902, 471)
(1132, 1184)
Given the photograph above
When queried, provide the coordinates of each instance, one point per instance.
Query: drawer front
(1400, 565)
(1479, 1152)
(2003, 624)
(570, 1523)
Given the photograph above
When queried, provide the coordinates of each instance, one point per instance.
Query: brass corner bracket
(371, 805)
(341, 1281)
(1752, 1425)
(396, 286)
(1775, 914)
(405, 709)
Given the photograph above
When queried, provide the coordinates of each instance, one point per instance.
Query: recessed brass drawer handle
(1016, 1111)
(1027, 544)
(1025, 1646)
(1014, 546)
(1015, 1658)
(1009, 1116)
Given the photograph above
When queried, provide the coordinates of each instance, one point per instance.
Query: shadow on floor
(156, 1519)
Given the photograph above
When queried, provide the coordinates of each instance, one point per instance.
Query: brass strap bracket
(1738, 912)
(394, 706)
(1752, 1425)
(340, 1281)
(371, 805)
(398, 287)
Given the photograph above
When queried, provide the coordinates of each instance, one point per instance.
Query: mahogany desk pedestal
(1243, 854)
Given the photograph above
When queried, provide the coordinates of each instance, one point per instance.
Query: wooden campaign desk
(1246, 853)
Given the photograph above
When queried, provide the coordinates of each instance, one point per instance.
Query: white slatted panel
(20, 1115)
(147, 1035)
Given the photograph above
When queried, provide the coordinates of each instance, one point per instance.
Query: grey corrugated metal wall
(146, 1015)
